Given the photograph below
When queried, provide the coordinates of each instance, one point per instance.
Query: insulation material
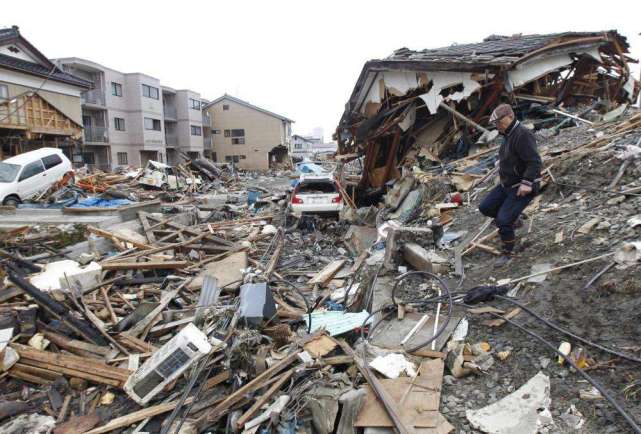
(442, 80)
(535, 68)
(629, 88)
(374, 95)
(400, 82)
(56, 274)
(409, 119)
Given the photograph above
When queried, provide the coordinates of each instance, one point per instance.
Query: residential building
(130, 118)
(184, 129)
(39, 103)
(309, 146)
(247, 135)
(301, 146)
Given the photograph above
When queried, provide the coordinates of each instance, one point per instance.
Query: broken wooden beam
(324, 276)
(150, 265)
(215, 413)
(263, 399)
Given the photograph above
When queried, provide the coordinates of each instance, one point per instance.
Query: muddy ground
(608, 312)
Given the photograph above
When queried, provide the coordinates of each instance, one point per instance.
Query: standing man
(519, 173)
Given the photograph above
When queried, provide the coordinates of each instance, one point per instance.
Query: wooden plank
(149, 233)
(85, 373)
(20, 375)
(141, 325)
(324, 276)
(75, 345)
(150, 265)
(258, 382)
(217, 379)
(112, 235)
(263, 399)
(72, 362)
(136, 416)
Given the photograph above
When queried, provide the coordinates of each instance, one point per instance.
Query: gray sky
(296, 58)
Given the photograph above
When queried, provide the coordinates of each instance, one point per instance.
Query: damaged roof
(495, 54)
(502, 50)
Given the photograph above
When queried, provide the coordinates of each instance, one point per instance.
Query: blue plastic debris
(96, 202)
(332, 305)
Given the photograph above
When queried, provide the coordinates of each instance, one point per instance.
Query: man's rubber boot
(503, 260)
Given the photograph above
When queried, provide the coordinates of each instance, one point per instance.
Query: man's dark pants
(503, 205)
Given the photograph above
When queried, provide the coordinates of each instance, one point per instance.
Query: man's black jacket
(519, 160)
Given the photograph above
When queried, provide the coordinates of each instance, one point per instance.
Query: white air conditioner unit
(166, 364)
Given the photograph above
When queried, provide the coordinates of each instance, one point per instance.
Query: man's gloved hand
(524, 189)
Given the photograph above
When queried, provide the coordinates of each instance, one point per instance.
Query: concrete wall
(263, 132)
(186, 117)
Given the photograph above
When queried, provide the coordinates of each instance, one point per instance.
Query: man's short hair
(500, 112)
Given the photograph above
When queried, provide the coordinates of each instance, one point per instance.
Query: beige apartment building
(247, 135)
(130, 118)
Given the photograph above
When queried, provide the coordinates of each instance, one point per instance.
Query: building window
(225, 107)
(116, 89)
(238, 137)
(298, 146)
(122, 158)
(214, 157)
(227, 133)
(234, 158)
(194, 104)
(119, 124)
(152, 124)
(4, 91)
(196, 130)
(149, 91)
(215, 131)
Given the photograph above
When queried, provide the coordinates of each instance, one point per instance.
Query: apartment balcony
(93, 97)
(171, 140)
(206, 120)
(169, 113)
(96, 135)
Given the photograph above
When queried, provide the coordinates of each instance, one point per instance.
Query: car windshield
(8, 172)
(317, 187)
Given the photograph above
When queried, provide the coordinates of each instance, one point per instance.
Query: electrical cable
(309, 309)
(569, 333)
(447, 295)
(584, 374)
(602, 190)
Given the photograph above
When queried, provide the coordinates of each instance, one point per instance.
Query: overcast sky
(296, 58)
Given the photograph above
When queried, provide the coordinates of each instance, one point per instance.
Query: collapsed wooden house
(431, 102)
(39, 103)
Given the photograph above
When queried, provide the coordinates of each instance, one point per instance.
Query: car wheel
(11, 201)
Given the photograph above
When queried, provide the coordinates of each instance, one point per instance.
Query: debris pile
(208, 306)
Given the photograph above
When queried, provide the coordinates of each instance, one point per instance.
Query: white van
(25, 175)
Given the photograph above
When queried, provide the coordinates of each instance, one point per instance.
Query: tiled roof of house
(493, 49)
(245, 103)
(43, 69)
(40, 70)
